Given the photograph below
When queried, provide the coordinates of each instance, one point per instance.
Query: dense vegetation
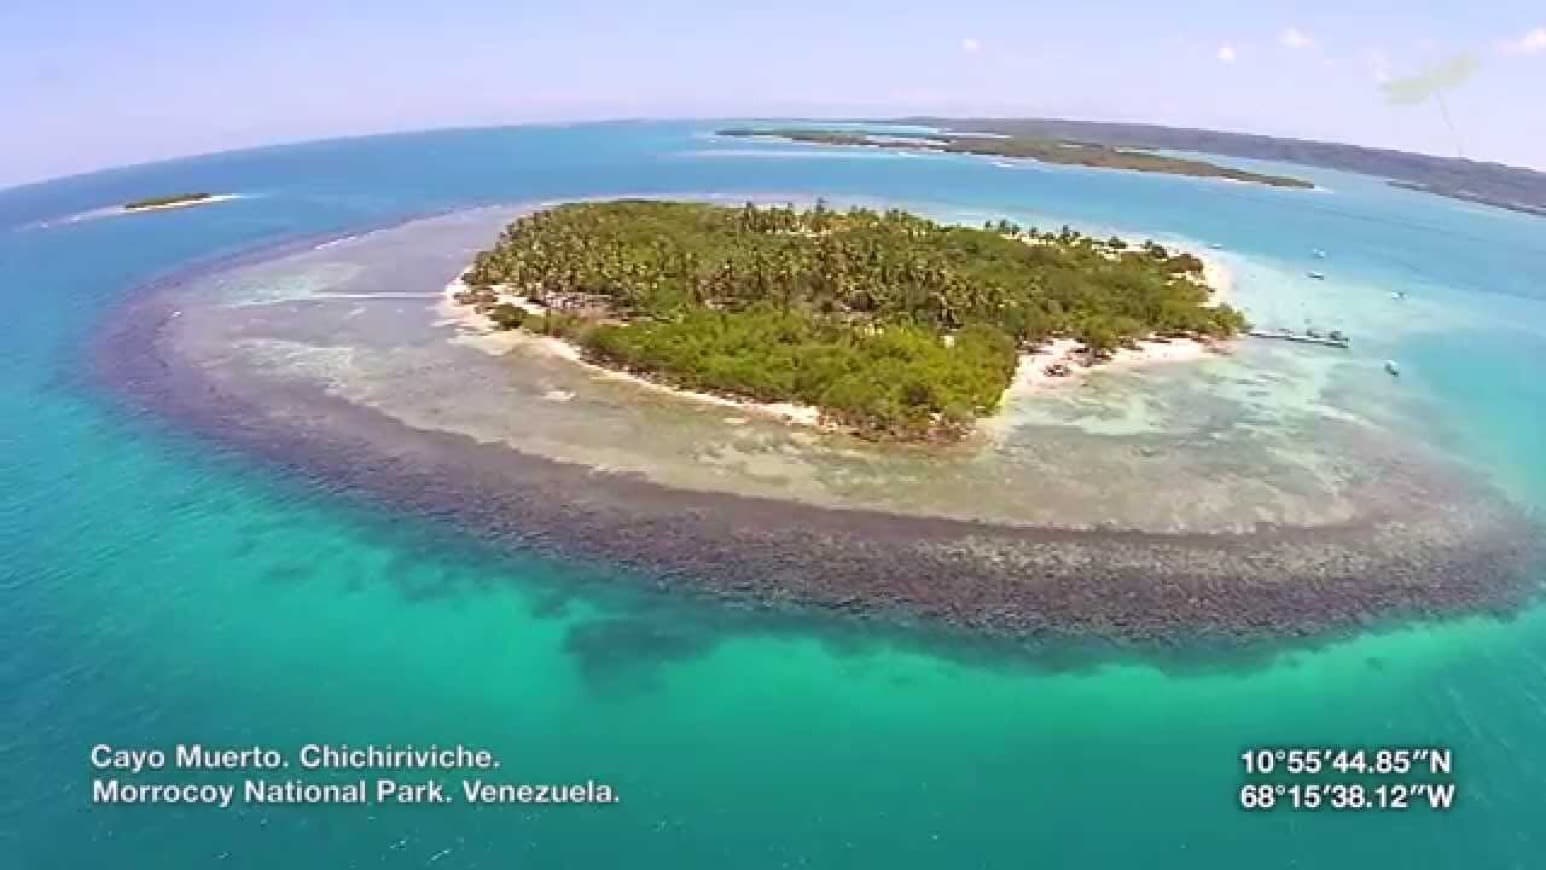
(890, 323)
(172, 199)
(1065, 151)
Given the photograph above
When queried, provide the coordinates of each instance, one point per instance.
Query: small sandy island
(180, 200)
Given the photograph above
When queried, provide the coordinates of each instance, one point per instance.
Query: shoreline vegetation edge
(1060, 362)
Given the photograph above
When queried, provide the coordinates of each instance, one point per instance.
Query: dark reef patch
(615, 652)
(1076, 596)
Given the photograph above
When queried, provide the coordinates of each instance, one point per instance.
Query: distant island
(1046, 150)
(1495, 184)
(175, 200)
(892, 325)
(1471, 196)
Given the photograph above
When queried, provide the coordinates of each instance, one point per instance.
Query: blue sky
(86, 84)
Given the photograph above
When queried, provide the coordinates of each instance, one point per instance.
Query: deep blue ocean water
(157, 588)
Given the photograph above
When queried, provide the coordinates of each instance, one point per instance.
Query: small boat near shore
(1392, 369)
(1319, 276)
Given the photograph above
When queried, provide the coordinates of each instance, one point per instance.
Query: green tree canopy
(891, 323)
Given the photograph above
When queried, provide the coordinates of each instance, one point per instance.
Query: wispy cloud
(1531, 43)
(970, 45)
(1227, 53)
(1293, 37)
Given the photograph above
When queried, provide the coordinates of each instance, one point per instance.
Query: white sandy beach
(1031, 373)
(190, 203)
(478, 331)
(1218, 276)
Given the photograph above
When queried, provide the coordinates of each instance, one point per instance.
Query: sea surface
(157, 587)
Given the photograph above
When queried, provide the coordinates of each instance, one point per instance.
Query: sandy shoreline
(1218, 276)
(1060, 364)
(168, 206)
(1057, 365)
(478, 331)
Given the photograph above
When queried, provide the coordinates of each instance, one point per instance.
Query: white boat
(1392, 368)
(1320, 254)
(1319, 276)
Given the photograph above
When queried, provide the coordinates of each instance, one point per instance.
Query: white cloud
(970, 45)
(1293, 37)
(1227, 53)
(1530, 43)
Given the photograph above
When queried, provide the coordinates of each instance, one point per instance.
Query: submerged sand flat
(1273, 490)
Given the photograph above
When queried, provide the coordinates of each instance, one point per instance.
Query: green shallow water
(279, 622)
(160, 589)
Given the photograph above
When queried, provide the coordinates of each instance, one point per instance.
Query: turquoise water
(160, 589)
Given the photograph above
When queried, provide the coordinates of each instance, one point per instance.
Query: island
(1019, 147)
(1454, 190)
(890, 325)
(175, 200)
(1514, 188)
(1201, 506)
